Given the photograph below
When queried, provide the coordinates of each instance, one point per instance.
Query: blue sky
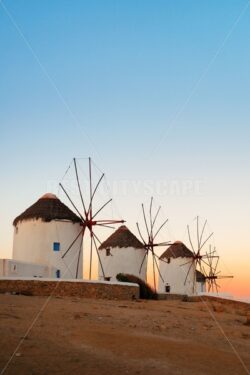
(157, 92)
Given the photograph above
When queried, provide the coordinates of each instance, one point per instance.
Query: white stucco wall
(174, 274)
(33, 243)
(200, 287)
(122, 260)
(16, 268)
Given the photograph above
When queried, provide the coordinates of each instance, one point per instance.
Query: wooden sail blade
(192, 260)
(203, 244)
(157, 232)
(95, 190)
(150, 218)
(138, 228)
(79, 257)
(79, 187)
(98, 255)
(105, 226)
(156, 215)
(190, 240)
(188, 272)
(145, 220)
(154, 273)
(90, 213)
(72, 244)
(197, 230)
(157, 266)
(90, 257)
(100, 209)
(143, 260)
(160, 244)
(107, 222)
(79, 213)
(202, 232)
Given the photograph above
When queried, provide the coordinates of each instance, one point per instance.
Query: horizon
(156, 93)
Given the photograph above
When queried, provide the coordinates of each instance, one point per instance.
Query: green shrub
(146, 292)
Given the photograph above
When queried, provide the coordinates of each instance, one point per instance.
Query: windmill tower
(122, 252)
(174, 266)
(204, 262)
(43, 231)
(212, 274)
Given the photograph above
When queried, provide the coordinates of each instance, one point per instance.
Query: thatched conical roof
(200, 277)
(122, 237)
(48, 208)
(177, 250)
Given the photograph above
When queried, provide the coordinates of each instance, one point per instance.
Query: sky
(156, 92)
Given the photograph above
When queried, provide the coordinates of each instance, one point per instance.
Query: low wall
(76, 288)
(170, 297)
(226, 302)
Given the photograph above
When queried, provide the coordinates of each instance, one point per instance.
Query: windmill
(149, 240)
(213, 274)
(86, 212)
(200, 260)
(204, 261)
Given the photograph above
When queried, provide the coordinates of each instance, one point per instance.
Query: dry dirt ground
(83, 336)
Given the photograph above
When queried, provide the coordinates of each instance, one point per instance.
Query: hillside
(79, 336)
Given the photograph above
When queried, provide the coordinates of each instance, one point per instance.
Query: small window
(107, 278)
(14, 268)
(56, 246)
(58, 274)
(108, 252)
(167, 288)
(169, 260)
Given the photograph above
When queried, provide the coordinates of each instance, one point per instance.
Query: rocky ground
(83, 336)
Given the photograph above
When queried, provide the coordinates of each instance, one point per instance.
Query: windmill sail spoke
(105, 226)
(90, 190)
(194, 281)
(157, 266)
(164, 223)
(140, 234)
(106, 222)
(181, 265)
(188, 272)
(154, 271)
(72, 244)
(206, 241)
(143, 260)
(145, 221)
(90, 258)
(202, 260)
(98, 255)
(79, 213)
(79, 257)
(203, 228)
(95, 236)
(190, 240)
(100, 209)
(156, 215)
(79, 187)
(161, 244)
(197, 229)
(150, 218)
(95, 190)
